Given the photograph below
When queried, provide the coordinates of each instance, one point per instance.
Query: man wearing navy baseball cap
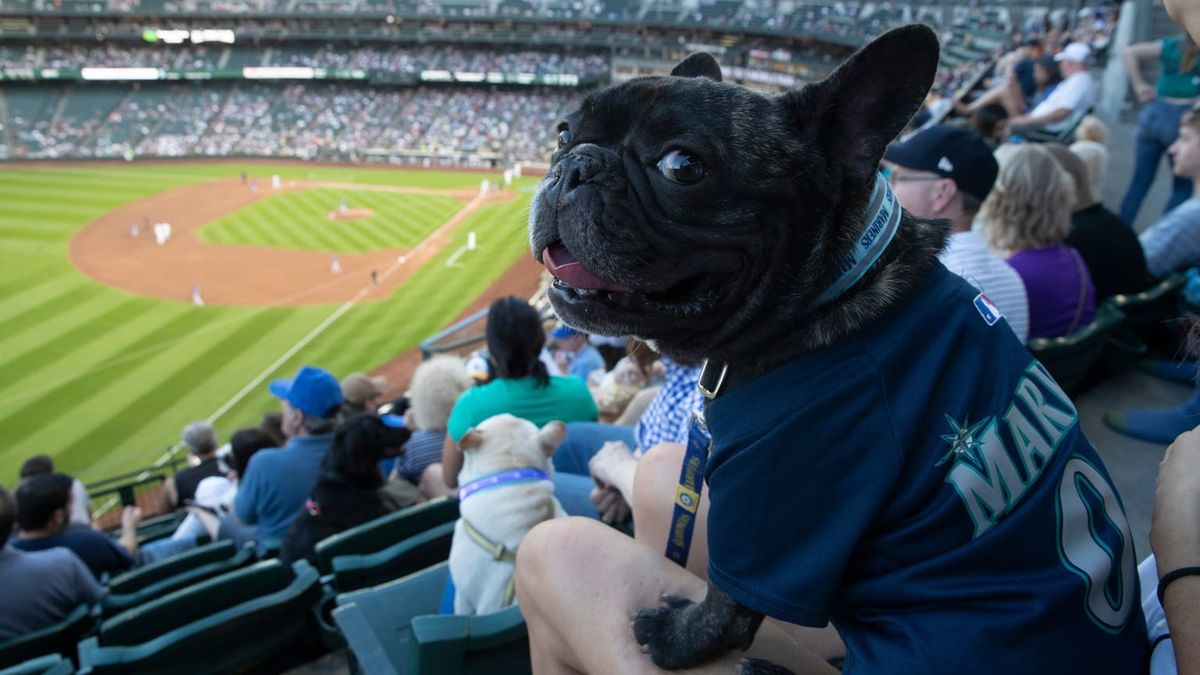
(277, 482)
(946, 172)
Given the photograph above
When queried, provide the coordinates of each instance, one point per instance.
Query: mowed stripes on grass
(103, 380)
(300, 219)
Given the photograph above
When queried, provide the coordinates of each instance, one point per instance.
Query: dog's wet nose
(581, 170)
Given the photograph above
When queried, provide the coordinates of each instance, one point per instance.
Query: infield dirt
(106, 251)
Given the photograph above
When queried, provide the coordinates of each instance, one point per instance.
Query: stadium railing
(139, 487)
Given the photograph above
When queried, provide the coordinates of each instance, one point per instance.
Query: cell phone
(127, 498)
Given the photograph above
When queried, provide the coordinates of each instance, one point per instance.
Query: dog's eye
(564, 138)
(680, 167)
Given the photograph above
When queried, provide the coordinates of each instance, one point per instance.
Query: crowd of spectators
(255, 486)
(304, 121)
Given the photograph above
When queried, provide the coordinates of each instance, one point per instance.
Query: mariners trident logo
(964, 441)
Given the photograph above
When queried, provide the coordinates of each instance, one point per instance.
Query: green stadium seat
(383, 532)
(59, 638)
(377, 622)
(489, 644)
(1065, 133)
(394, 628)
(1150, 314)
(1070, 358)
(381, 550)
(53, 664)
(157, 527)
(142, 577)
(257, 619)
(153, 581)
(430, 547)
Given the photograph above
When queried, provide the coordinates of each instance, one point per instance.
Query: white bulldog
(504, 490)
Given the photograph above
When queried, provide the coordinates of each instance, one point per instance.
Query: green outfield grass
(301, 220)
(104, 380)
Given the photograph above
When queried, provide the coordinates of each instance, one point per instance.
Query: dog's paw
(663, 632)
(750, 666)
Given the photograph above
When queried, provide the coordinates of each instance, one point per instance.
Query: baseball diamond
(99, 327)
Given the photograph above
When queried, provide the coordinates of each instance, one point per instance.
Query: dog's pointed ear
(863, 105)
(700, 64)
(551, 436)
(471, 440)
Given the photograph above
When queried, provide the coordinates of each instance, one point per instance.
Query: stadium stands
(412, 100)
(409, 90)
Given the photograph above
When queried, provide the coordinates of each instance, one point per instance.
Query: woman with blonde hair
(1091, 146)
(1027, 217)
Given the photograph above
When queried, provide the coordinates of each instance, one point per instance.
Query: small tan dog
(505, 491)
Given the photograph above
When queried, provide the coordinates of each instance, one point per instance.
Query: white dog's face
(506, 442)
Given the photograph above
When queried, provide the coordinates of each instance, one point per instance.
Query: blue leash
(691, 475)
(687, 493)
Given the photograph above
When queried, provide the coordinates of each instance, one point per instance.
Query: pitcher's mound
(350, 214)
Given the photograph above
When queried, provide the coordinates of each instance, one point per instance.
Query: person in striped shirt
(947, 172)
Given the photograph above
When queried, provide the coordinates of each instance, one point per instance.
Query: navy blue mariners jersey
(924, 485)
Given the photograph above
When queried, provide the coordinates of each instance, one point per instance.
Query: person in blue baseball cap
(572, 352)
(277, 482)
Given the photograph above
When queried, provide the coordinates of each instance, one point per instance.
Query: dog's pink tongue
(566, 268)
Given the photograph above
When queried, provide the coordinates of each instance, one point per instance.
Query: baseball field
(105, 349)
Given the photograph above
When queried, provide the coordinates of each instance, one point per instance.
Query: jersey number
(1094, 543)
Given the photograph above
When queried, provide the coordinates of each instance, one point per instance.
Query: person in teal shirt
(1173, 94)
(522, 387)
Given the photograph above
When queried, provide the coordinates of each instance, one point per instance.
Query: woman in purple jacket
(1027, 217)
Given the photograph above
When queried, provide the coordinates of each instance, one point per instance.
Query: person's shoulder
(568, 383)
(58, 558)
(1186, 213)
(84, 536)
(1189, 206)
(474, 395)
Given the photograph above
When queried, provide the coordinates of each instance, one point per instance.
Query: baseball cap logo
(945, 164)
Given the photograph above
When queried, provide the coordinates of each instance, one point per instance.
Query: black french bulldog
(706, 219)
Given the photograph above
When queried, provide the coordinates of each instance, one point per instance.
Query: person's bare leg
(1012, 98)
(579, 585)
(993, 95)
(654, 503)
(433, 485)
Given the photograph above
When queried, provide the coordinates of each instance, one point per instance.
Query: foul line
(337, 314)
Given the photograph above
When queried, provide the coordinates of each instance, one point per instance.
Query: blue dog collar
(881, 227)
(500, 478)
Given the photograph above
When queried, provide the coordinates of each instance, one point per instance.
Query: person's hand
(1175, 531)
(612, 467)
(610, 464)
(611, 505)
(1145, 92)
(131, 517)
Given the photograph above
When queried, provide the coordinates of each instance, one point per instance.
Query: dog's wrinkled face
(655, 212)
(678, 209)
